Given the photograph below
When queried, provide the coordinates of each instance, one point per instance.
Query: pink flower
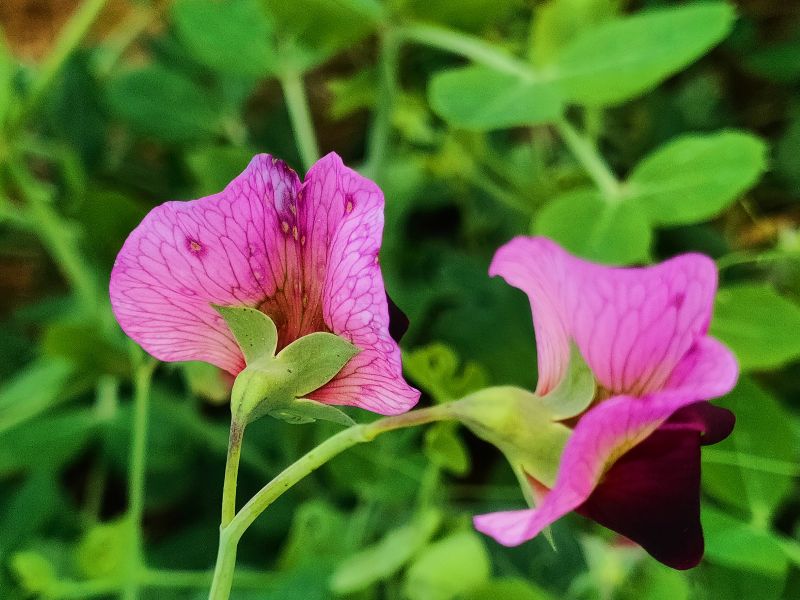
(306, 254)
(632, 462)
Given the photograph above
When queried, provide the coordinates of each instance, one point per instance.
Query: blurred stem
(381, 130)
(469, 46)
(231, 472)
(69, 39)
(330, 448)
(56, 234)
(300, 114)
(590, 159)
(142, 377)
(748, 257)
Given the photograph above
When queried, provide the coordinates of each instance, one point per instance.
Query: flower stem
(381, 130)
(69, 39)
(590, 159)
(468, 46)
(231, 472)
(136, 480)
(300, 115)
(333, 446)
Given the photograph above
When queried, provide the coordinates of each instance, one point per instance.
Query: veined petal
(632, 325)
(608, 431)
(229, 249)
(341, 225)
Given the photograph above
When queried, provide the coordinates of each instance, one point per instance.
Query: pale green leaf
(759, 325)
(448, 568)
(557, 22)
(507, 589)
(740, 545)
(482, 98)
(386, 557)
(694, 177)
(32, 391)
(613, 232)
(763, 431)
(618, 60)
(254, 331)
(162, 103)
(444, 448)
(235, 36)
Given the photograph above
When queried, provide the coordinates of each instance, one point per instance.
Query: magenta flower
(306, 254)
(632, 462)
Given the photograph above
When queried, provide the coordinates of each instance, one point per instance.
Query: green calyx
(275, 384)
(527, 428)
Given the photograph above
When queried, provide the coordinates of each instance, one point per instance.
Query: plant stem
(136, 479)
(231, 472)
(300, 115)
(333, 446)
(69, 39)
(56, 235)
(381, 130)
(468, 46)
(590, 159)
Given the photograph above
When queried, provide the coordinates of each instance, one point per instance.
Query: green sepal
(254, 331)
(575, 391)
(520, 424)
(276, 385)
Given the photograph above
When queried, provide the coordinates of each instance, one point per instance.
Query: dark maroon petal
(398, 321)
(713, 422)
(652, 496)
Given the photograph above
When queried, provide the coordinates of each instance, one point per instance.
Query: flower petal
(609, 430)
(632, 326)
(229, 249)
(341, 224)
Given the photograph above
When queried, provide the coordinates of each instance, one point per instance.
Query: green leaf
(575, 392)
(105, 549)
(759, 325)
(32, 391)
(206, 381)
(233, 37)
(618, 60)
(482, 98)
(507, 588)
(318, 357)
(448, 568)
(213, 167)
(383, 559)
(34, 572)
(444, 448)
(557, 22)
(164, 104)
(435, 368)
(614, 232)
(763, 431)
(732, 543)
(254, 331)
(694, 177)
(304, 410)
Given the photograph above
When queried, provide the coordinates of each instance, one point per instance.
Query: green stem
(231, 472)
(300, 115)
(333, 446)
(136, 479)
(468, 46)
(56, 234)
(742, 460)
(381, 130)
(748, 257)
(69, 39)
(591, 160)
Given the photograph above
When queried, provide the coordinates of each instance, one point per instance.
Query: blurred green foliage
(627, 131)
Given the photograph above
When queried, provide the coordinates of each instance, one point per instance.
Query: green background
(627, 131)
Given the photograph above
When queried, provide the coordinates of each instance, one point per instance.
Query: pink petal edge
(632, 325)
(609, 430)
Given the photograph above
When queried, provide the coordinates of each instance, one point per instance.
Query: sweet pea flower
(304, 253)
(632, 461)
